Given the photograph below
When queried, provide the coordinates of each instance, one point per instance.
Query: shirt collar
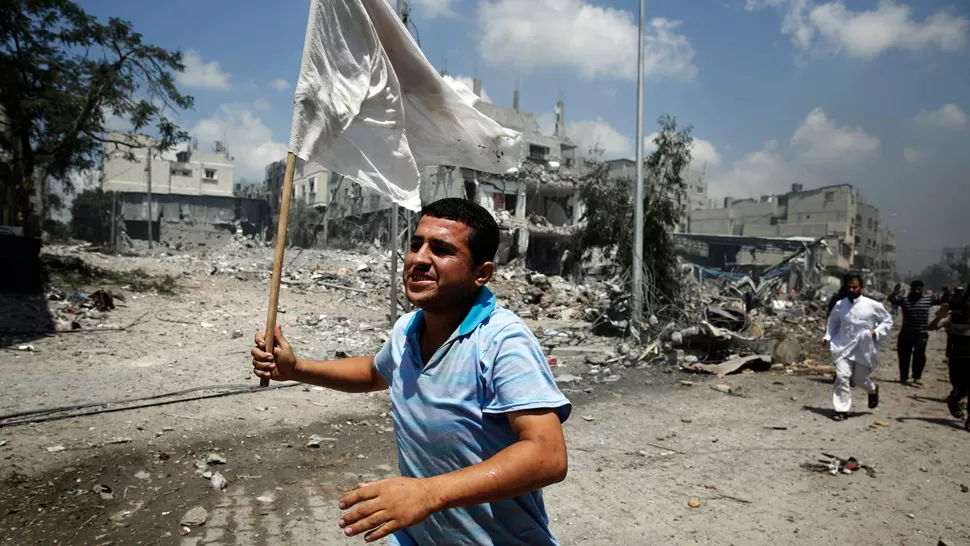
(482, 309)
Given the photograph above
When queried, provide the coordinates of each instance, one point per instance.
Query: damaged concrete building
(192, 197)
(536, 208)
(839, 214)
(694, 197)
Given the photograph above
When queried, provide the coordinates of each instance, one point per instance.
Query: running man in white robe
(855, 327)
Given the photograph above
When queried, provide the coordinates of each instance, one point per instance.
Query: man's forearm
(521, 468)
(356, 374)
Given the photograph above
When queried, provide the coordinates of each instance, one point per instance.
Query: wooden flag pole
(274, 289)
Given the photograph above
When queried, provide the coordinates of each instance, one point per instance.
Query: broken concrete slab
(195, 517)
(754, 362)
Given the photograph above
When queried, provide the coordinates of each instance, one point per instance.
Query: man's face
(439, 272)
(853, 288)
(916, 291)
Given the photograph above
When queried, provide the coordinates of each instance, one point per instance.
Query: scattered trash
(195, 517)
(27, 348)
(266, 498)
(236, 334)
(880, 423)
(184, 530)
(56, 449)
(694, 503)
(964, 489)
(567, 378)
(105, 491)
(218, 481)
(588, 418)
(143, 475)
(836, 465)
(687, 383)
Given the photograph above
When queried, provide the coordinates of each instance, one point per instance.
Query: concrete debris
(195, 517)
(104, 491)
(215, 458)
(315, 441)
(218, 481)
(732, 366)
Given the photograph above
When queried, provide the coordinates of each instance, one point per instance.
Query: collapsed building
(192, 198)
(746, 234)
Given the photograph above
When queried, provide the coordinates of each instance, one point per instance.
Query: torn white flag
(370, 106)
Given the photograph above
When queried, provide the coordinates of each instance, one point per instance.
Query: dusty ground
(640, 447)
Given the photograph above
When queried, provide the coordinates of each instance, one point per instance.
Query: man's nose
(421, 255)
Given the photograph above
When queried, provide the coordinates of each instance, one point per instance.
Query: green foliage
(64, 78)
(91, 216)
(57, 231)
(609, 211)
(303, 224)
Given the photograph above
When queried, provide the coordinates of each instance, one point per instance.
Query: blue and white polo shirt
(449, 414)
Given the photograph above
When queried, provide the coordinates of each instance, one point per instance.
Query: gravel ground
(639, 447)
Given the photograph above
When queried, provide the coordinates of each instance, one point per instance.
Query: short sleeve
(517, 375)
(387, 359)
(384, 360)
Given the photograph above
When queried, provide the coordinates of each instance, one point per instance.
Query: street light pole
(636, 313)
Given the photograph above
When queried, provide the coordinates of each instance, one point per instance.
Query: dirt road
(639, 447)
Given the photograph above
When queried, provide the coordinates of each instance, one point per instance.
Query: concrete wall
(195, 172)
(311, 184)
(712, 221)
(867, 233)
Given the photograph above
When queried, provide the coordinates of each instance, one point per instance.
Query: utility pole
(636, 312)
(403, 11)
(149, 169)
(114, 212)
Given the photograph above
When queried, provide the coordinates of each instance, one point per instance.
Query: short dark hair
(916, 284)
(484, 237)
(853, 276)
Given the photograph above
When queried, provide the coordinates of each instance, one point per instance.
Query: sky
(875, 93)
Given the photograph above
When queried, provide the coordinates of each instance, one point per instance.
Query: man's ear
(484, 273)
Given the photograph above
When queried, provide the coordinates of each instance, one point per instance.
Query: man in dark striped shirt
(913, 335)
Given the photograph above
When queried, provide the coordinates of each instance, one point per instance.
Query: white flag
(370, 106)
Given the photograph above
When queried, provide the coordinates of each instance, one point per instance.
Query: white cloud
(201, 74)
(592, 39)
(914, 155)
(279, 84)
(819, 139)
(598, 134)
(250, 141)
(703, 152)
(436, 8)
(465, 87)
(818, 148)
(866, 34)
(947, 116)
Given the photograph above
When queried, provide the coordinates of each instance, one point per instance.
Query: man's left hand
(386, 506)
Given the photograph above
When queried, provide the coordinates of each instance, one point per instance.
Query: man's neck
(441, 325)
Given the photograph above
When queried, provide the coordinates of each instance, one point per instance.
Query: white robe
(855, 351)
(850, 328)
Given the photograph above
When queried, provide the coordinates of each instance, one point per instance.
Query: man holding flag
(477, 414)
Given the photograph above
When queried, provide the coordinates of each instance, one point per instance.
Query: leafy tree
(91, 216)
(303, 224)
(609, 212)
(64, 76)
